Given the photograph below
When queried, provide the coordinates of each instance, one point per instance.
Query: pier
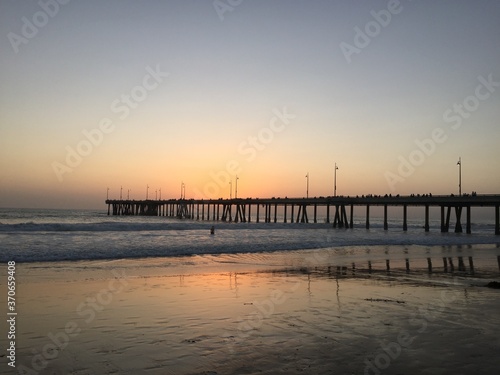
(339, 210)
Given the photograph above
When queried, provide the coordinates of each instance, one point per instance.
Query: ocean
(99, 294)
(45, 235)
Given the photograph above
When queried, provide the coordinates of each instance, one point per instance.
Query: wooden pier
(339, 210)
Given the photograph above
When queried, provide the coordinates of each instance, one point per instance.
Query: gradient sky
(230, 70)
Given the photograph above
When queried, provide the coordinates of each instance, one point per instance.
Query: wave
(129, 226)
(94, 227)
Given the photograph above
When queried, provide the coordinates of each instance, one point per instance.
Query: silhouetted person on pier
(212, 230)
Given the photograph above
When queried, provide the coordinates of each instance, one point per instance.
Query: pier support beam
(302, 214)
(226, 212)
(448, 215)
(458, 225)
(240, 213)
(340, 220)
(336, 219)
(344, 214)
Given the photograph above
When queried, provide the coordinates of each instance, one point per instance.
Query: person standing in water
(212, 230)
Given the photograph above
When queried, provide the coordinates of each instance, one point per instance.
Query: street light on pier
(183, 190)
(307, 186)
(121, 190)
(156, 194)
(147, 191)
(128, 194)
(236, 190)
(231, 189)
(160, 193)
(459, 176)
(335, 180)
(107, 193)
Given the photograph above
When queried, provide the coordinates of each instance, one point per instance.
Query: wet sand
(197, 316)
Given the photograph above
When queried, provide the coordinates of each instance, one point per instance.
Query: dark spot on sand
(383, 300)
(493, 284)
(192, 341)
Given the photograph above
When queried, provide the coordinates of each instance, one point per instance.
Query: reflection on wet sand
(446, 265)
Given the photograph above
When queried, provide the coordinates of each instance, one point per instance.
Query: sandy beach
(229, 315)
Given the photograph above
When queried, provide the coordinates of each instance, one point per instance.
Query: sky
(136, 98)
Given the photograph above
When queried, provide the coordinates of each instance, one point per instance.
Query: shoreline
(266, 313)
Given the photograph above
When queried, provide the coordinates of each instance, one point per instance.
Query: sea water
(74, 235)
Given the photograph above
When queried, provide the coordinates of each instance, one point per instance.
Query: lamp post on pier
(183, 190)
(335, 180)
(121, 190)
(128, 194)
(236, 189)
(307, 185)
(160, 193)
(231, 189)
(459, 176)
(107, 193)
(147, 191)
